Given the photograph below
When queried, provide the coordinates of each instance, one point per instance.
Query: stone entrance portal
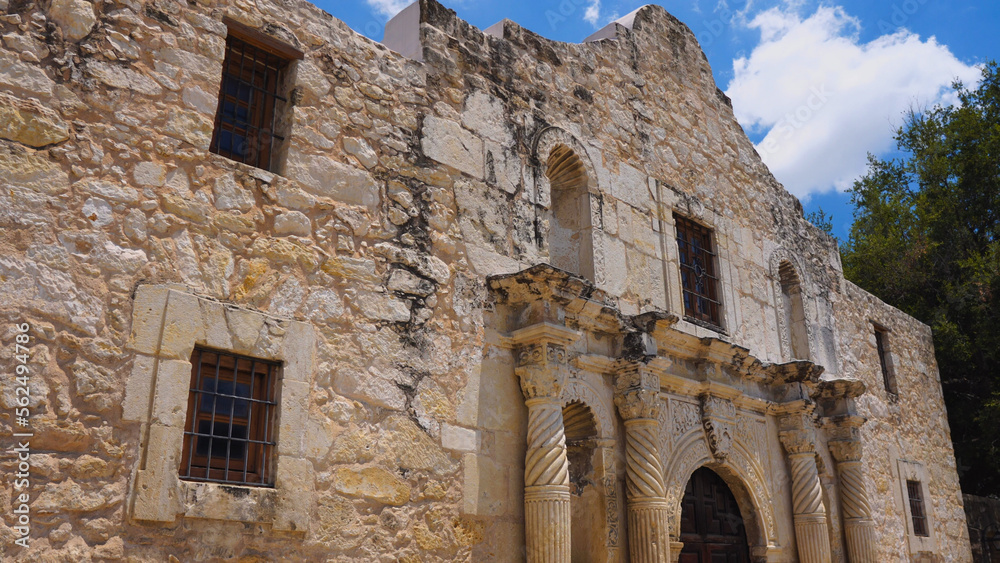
(711, 525)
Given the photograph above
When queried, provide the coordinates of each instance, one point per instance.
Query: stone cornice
(839, 389)
(545, 285)
(595, 363)
(543, 332)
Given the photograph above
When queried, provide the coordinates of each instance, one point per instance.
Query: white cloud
(825, 100)
(593, 12)
(388, 8)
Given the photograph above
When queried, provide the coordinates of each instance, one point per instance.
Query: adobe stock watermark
(712, 29)
(375, 28)
(784, 130)
(564, 10)
(901, 14)
(20, 451)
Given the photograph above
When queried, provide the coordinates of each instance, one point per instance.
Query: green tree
(821, 221)
(924, 239)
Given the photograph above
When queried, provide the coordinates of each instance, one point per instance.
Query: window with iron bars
(917, 509)
(229, 434)
(250, 101)
(699, 280)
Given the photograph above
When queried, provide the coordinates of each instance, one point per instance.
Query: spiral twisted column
(859, 527)
(637, 397)
(809, 513)
(546, 484)
(542, 370)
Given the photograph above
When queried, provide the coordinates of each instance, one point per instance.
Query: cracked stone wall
(402, 186)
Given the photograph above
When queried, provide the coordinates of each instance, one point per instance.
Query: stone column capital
(797, 433)
(542, 359)
(845, 451)
(637, 391)
(542, 370)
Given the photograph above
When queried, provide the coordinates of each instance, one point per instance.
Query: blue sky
(816, 85)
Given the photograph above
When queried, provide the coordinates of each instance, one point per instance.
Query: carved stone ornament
(846, 450)
(542, 369)
(718, 417)
(542, 353)
(539, 381)
(637, 392)
(797, 434)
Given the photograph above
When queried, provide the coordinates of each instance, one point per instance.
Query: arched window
(571, 247)
(795, 314)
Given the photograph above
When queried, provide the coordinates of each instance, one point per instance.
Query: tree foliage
(924, 239)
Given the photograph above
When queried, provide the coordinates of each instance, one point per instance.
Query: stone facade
(447, 394)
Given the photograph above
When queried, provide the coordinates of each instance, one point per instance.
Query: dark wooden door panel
(711, 525)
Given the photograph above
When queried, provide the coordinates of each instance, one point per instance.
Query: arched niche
(566, 183)
(793, 308)
(588, 527)
(796, 332)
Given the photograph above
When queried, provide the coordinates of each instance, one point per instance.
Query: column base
(813, 538)
(547, 523)
(860, 533)
(649, 541)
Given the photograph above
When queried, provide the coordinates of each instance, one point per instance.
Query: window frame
(912, 471)
(710, 256)
(167, 324)
(263, 109)
(259, 443)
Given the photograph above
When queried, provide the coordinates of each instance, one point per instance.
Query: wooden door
(711, 525)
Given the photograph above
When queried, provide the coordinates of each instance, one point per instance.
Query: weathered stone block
(448, 143)
(484, 486)
(325, 177)
(373, 483)
(18, 76)
(292, 417)
(29, 123)
(170, 398)
(404, 281)
(181, 326)
(369, 387)
(75, 17)
(459, 439)
(292, 223)
(295, 483)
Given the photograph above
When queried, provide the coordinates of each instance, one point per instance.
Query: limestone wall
(911, 426)
(403, 185)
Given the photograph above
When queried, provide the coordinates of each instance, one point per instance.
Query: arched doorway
(712, 527)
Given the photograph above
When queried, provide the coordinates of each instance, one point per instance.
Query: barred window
(699, 280)
(250, 100)
(229, 434)
(917, 509)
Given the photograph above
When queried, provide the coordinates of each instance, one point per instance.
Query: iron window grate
(917, 508)
(699, 279)
(229, 436)
(248, 99)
